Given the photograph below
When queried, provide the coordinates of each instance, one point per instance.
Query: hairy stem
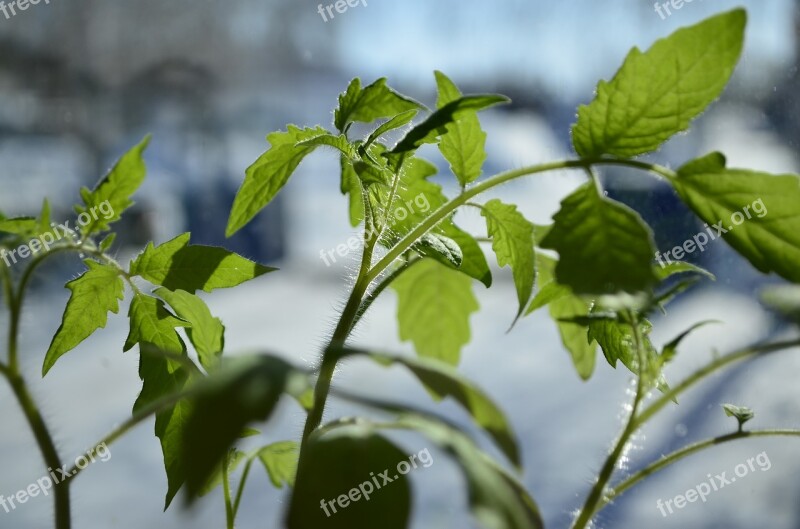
(686, 451)
(46, 445)
(596, 494)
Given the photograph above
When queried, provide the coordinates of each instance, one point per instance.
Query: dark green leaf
(178, 265)
(594, 233)
(444, 381)
(94, 294)
(656, 94)
(351, 460)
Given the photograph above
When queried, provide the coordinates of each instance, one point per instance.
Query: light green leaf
(680, 267)
(434, 306)
(270, 173)
(656, 94)
(444, 381)
(563, 306)
(669, 351)
(763, 205)
(443, 249)
(206, 333)
(473, 260)
(178, 265)
(464, 143)
(370, 103)
(595, 234)
(280, 462)
(351, 186)
(93, 295)
(152, 323)
(350, 458)
(161, 377)
(512, 242)
(105, 204)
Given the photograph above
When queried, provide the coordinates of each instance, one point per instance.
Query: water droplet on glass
(681, 430)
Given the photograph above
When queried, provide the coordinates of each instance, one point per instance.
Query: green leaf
(441, 248)
(178, 265)
(546, 295)
(339, 142)
(351, 186)
(270, 173)
(351, 459)
(161, 377)
(763, 205)
(235, 458)
(741, 413)
(280, 462)
(392, 124)
(206, 333)
(473, 260)
(680, 267)
(594, 233)
(783, 299)
(152, 323)
(93, 294)
(464, 143)
(618, 343)
(370, 103)
(497, 499)
(512, 242)
(669, 351)
(112, 195)
(444, 381)
(25, 227)
(563, 306)
(435, 125)
(245, 389)
(434, 305)
(656, 94)
(107, 241)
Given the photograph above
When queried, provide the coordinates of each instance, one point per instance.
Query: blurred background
(81, 81)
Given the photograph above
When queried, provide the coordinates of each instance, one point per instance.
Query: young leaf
(206, 333)
(444, 381)
(116, 189)
(350, 458)
(161, 377)
(370, 103)
(755, 212)
(94, 294)
(741, 413)
(563, 305)
(432, 128)
(669, 351)
(394, 123)
(656, 94)
(434, 305)
(242, 391)
(339, 142)
(178, 265)
(604, 247)
(512, 242)
(280, 462)
(152, 323)
(464, 143)
(270, 173)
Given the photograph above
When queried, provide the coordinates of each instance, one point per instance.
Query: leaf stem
(686, 451)
(240, 490)
(446, 209)
(226, 488)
